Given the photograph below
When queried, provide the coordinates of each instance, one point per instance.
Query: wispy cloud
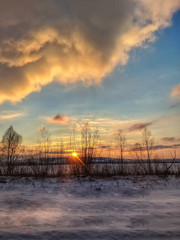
(156, 147)
(71, 40)
(9, 116)
(166, 146)
(170, 139)
(140, 126)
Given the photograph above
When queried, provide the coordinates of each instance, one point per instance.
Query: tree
(11, 145)
(144, 151)
(45, 142)
(89, 141)
(121, 143)
(148, 143)
(148, 146)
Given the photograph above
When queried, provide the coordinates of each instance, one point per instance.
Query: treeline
(82, 156)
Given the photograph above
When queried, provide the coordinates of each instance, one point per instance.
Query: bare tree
(41, 161)
(144, 151)
(11, 146)
(148, 146)
(137, 153)
(45, 142)
(148, 143)
(121, 143)
(89, 141)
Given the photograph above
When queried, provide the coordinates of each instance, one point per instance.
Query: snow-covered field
(119, 208)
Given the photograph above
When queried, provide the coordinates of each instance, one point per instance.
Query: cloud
(140, 126)
(137, 147)
(156, 147)
(170, 139)
(72, 40)
(176, 91)
(60, 119)
(9, 116)
(105, 147)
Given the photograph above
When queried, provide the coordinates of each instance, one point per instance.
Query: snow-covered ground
(119, 208)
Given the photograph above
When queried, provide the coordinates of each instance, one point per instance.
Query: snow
(85, 208)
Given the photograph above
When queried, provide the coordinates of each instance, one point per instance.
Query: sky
(114, 63)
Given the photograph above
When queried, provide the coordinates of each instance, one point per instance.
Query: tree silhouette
(11, 144)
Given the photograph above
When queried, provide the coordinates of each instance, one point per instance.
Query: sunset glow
(114, 65)
(89, 119)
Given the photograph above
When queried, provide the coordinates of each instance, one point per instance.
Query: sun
(74, 154)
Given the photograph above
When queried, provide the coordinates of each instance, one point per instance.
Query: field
(90, 208)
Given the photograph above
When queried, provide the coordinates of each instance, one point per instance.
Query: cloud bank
(72, 40)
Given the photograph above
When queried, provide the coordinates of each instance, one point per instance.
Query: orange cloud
(176, 91)
(60, 119)
(71, 40)
(9, 116)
